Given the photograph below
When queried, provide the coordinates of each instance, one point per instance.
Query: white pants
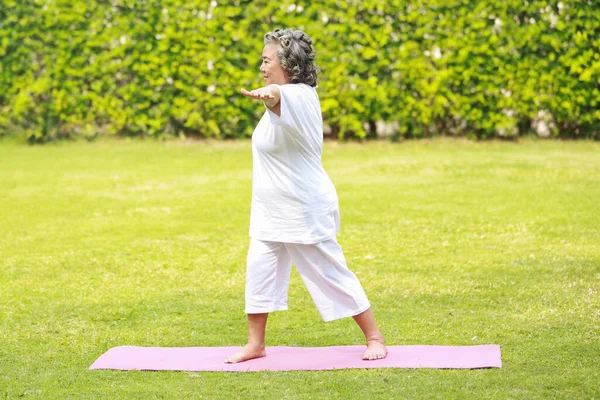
(335, 290)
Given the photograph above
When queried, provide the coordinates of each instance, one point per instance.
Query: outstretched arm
(269, 94)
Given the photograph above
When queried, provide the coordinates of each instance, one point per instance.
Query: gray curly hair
(296, 55)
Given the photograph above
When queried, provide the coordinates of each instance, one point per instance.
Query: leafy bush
(497, 68)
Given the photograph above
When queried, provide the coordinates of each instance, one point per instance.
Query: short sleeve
(294, 106)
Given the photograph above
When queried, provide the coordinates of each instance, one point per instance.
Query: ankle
(376, 337)
(256, 345)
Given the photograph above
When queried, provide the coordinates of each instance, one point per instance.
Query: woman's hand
(269, 94)
(263, 93)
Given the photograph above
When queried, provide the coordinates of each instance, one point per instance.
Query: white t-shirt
(293, 199)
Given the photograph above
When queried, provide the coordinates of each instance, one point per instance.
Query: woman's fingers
(257, 94)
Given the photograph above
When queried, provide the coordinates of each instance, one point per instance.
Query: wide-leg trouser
(335, 290)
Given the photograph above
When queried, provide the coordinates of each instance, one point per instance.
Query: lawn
(455, 242)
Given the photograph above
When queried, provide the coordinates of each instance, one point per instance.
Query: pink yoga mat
(297, 358)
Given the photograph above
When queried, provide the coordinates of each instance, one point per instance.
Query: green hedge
(418, 68)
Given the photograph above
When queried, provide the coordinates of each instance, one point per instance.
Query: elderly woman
(295, 212)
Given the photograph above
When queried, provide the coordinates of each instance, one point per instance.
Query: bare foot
(248, 352)
(376, 350)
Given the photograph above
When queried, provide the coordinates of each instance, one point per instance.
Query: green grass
(455, 242)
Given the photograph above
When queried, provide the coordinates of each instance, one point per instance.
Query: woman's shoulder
(299, 91)
(298, 87)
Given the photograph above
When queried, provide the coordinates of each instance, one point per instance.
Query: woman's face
(270, 67)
